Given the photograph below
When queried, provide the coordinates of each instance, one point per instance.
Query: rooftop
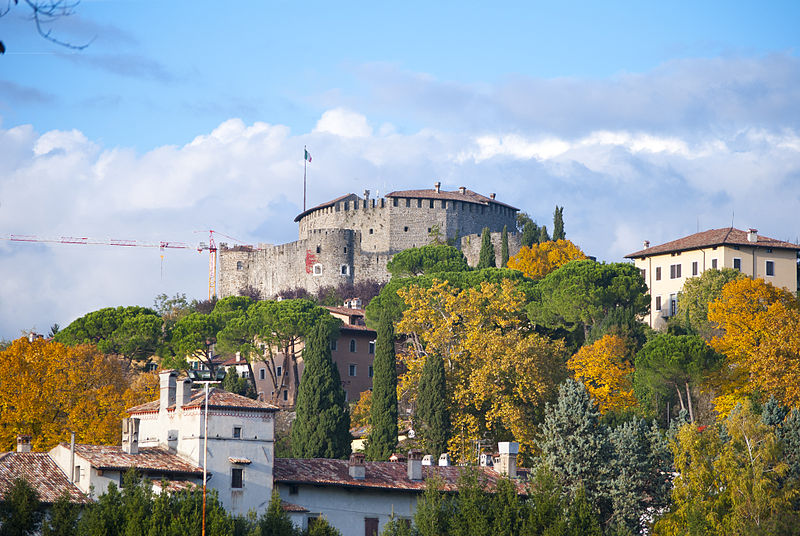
(714, 237)
(454, 195)
(41, 472)
(148, 459)
(217, 399)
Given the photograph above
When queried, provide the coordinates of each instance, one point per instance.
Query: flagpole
(305, 166)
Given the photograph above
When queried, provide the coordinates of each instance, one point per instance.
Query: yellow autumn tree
(604, 368)
(498, 372)
(761, 340)
(48, 389)
(540, 259)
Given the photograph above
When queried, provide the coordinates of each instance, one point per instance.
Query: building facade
(666, 267)
(351, 238)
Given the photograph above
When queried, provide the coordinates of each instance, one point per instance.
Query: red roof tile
(290, 507)
(378, 475)
(346, 310)
(217, 399)
(41, 472)
(149, 459)
(468, 195)
(713, 237)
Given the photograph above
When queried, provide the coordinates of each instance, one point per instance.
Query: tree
(275, 521)
(20, 510)
(433, 510)
(63, 518)
(43, 13)
(670, 364)
(432, 416)
(487, 255)
(427, 260)
(543, 236)
(697, 294)
(172, 309)
(233, 383)
(134, 333)
(382, 438)
(48, 389)
(322, 426)
(582, 293)
(539, 260)
(528, 229)
(605, 370)
(558, 224)
(504, 247)
(194, 336)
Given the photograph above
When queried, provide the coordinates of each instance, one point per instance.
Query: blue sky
(641, 118)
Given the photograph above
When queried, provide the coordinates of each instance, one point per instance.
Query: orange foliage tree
(605, 370)
(538, 260)
(48, 389)
(761, 340)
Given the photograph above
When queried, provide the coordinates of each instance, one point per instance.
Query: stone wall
(471, 247)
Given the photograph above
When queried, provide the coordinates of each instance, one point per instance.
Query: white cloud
(344, 123)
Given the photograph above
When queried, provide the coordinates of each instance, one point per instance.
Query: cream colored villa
(667, 266)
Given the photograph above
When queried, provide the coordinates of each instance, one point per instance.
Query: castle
(350, 239)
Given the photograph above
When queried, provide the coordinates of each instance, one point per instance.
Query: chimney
(508, 458)
(486, 460)
(167, 389)
(23, 443)
(492, 195)
(366, 195)
(462, 190)
(427, 459)
(357, 469)
(646, 244)
(752, 235)
(415, 464)
(183, 393)
(437, 186)
(396, 457)
(130, 435)
(72, 457)
(444, 460)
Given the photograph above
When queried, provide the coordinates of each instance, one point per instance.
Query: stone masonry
(351, 238)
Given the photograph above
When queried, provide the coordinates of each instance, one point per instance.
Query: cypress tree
(543, 236)
(558, 224)
(486, 259)
(383, 414)
(20, 510)
(322, 426)
(432, 415)
(504, 247)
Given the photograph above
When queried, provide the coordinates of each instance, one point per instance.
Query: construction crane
(162, 245)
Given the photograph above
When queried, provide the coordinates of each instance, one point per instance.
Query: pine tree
(382, 438)
(20, 509)
(543, 236)
(432, 415)
(63, 519)
(486, 259)
(322, 426)
(504, 247)
(558, 224)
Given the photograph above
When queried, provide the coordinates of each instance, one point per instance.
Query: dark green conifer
(504, 247)
(20, 509)
(322, 426)
(432, 416)
(543, 236)
(486, 259)
(558, 224)
(382, 438)
(63, 519)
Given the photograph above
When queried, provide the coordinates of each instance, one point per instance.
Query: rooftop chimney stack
(508, 458)
(183, 393)
(23, 443)
(366, 195)
(444, 460)
(357, 469)
(130, 435)
(167, 386)
(752, 235)
(437, 186)
(646, 244)
(492, 195)
(415, 464)
(427, 459)
(462, 190)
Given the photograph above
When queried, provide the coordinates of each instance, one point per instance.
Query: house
(358, 497)
(667, 266)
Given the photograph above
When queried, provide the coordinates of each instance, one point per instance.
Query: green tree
(432, 416)
(382, 438)
(529, 231)
(429, 259)
(543, 236)
(322, 426)
(487, 256)
(547, 507)
(558, 224)
(321, 527)
(505, 509)
(275, 521)
(582, 517)
(504, 247)
(233, 383)
(63, 518)
(433, 512)
(471, 507)
(172, 309)
(20, 509)
(194, 336)
(697, 293)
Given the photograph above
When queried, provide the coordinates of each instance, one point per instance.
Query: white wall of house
(87, 478)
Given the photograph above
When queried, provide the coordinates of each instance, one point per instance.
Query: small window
(317, 269)
(419, 203)
(293, 488)
(352, 345)
(371, 347)
(737, 264)
(371, 371)
(408, 202)
(644, 274)
(245, 374)
(333, 345)
(431, 203)
(429, 229)
(237, 432)
(370, 232)
(237, 478)
(279, 371)
(658, 273)
(769, 250)
(674, 271)
(319, 249)
(658, 303)
(345, 249)
(737, 248)
(239, 265)
(714, 263)
(770, 268)
(394, 201)
(694, 268)
(77, 473)
(405, 229)
(351, 369)
(673, 304)
(285, 394)
(262, 374)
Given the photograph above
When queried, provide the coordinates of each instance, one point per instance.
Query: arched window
(239, 265)
(353, 345)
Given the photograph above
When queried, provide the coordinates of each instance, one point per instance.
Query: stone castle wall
(471, 247)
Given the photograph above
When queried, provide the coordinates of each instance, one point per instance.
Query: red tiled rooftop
(41, 472)
(217, 399)
(291, 507)
(378, 475)
(713, 237)
(346, 310)
(155, 459)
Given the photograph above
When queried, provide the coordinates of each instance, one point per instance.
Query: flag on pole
(308, 155)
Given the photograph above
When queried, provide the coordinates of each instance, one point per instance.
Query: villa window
(737, 264)
(674, 271)
(371, 371)
(262, 374)
(714, 264)
(371, 347)
(658, 273)
(770, 268)
(237, 432)
(658, 303)
(333, 346)
(352, 346)
(279, 371)
(317, 269)
(351, 369)
(694, 268)
(237, 478)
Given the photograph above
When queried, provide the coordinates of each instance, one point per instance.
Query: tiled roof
(356, 327)
(714, 237)
(346, 310)
(148, 459)
(378, 475)
(324, 205)
(456, 195)
(290, 507)
(217, 399)
(41, 472)
(174, 486)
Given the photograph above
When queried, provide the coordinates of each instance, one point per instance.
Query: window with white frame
(674, 271)
(352, 369)
(714, 264)
(770, 268)
(737, 263)
(279, 371)
(658, 303)
(371, 347)
(317, 269)
(262, 374)
(352, 346)
(345, 269)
